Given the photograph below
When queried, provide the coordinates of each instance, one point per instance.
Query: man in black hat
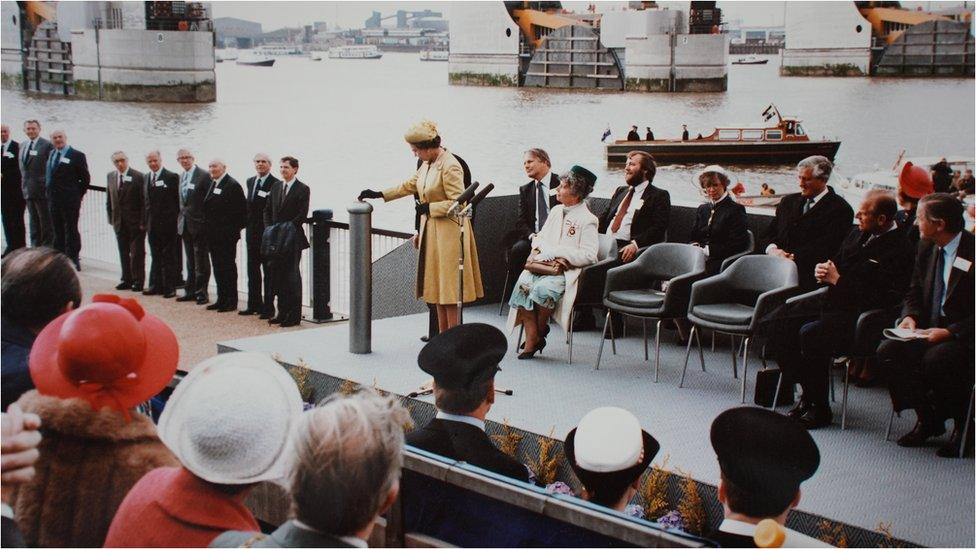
(463, 361)
(763, 457)
(609, 452)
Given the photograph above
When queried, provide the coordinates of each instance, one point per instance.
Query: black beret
(763, 452)
(463, 356)
(585, 174)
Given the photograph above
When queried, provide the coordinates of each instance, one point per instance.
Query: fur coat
(89, 461)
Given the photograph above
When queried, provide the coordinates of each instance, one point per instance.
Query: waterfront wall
(140, 65)
(700, 63)
(826, 39)
(484, 45)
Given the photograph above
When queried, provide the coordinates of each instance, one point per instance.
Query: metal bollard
(360, 278)
(321, 266)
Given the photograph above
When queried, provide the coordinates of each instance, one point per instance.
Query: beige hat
(425, 130)
(229, 421)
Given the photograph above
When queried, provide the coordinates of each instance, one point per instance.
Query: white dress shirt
(461, 419)
(635, 204)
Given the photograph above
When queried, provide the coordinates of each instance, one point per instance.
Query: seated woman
(569, 235)
(720, 224)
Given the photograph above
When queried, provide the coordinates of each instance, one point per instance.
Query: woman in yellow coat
(437, 183)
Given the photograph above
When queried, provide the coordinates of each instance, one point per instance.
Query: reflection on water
(344, 120)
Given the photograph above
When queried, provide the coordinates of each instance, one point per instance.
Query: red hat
(915, 182)
(109, 353)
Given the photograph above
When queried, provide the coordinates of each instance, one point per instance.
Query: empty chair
(631, 289)
(735, 301)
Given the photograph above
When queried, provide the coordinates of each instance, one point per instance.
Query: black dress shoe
(180, 284)
(214, 306)
(226, 308)
(951, 448)
(169, 293)
(290, 323)
(922, 431)
(123, 285)
(247, 312)
(187, 297)
(136, 288)
(151, 291)
(275, 320)
(798, 409)
(266, 316)
(202, 300)
(816, 417)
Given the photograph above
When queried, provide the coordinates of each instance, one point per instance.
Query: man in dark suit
(125, 200)
(163, 196)
(870, 271)
(720, 224)
(260, 301)
(637, 217)
(684, 132)
(632, 135)
(650, 135)
(463, 361)
(810, 225)
(194, 187)
(934, 374)
(225, 214)
(34, 153)
(288, 203)
(12, 203)
(536, 198)
(67, 182)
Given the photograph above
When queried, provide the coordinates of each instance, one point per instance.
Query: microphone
(465, 197)
(478, 197)
(425, 392)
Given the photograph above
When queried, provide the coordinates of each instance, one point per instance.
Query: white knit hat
(229, 421)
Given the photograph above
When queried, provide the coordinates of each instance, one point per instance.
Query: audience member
(260, 300)
(720, 224)
(91, 367)
(288, 206)
(536, 200)
(12, 205)
(763, 458)
(225, 214)
(126, 199)
(966, 184)
(21, 436)
(346, 473)
(34, 153)
(568, 241)
(228, 422)
(934, 374)
(194, 187)
(766, 190)
(632, 135)
(650, 135)
(38, 285)
(163, 196)
(914, 182)
(809, 225)
(684, 132)
(67, 180)
(942, 176)
(609, 452)
(463, 361)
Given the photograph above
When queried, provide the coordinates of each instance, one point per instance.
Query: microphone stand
(460, 218)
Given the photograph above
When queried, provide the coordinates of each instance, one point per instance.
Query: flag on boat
(606, 134)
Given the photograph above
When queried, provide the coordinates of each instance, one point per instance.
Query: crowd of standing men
(193, 213)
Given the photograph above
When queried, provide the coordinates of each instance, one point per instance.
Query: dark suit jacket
(127, 207)
(164, 202)
(33, 168)
(463, 442)
(527, 207)
(811, 237)
(293, 207)
(70, 177)
(906, 222)
(874, 276)
(724, 232)
(650, 222)
(191, 216)
(256, 204)
(10, 169)
(287, 535)
(726, 539)
(959, 297)
(225, 211)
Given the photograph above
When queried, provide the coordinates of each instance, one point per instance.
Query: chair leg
(891, 419)
(967, 425)
(701, 353)
(613, 338)
(569, 337)
(745, 367)
(694, 331)
(762, 356)
(657, 351)
(779, 383)
(735, 351)
(501, 303)
(843, 398)
(603, 339)
(644, 326)
(830, 380)
(518, 342)
(713, 341)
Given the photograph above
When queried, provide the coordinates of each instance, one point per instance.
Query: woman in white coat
(570, 234)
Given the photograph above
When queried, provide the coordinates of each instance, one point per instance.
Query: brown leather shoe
(922, 431)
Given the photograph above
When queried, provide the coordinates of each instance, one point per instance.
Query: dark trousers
(804, 349)
(162, 272)
(132, 254)
(64, 218)
(287, 286)
(178, 258)
(223, 253)
(517, 255)
(259, 296)
(197, 264)
(935, 380)
(12, 210)
(39, 219)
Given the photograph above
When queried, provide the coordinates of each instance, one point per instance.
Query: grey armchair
(604, 256)
(738, 300)
(749, 248)
(630, 290)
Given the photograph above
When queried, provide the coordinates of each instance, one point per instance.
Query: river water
(344, 120)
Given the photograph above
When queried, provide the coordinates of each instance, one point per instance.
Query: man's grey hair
(219, 162)
(347, 457)
(262, 156)
(154, 152)
(184, 152)
(822, 167)
(119, 154)
(577, 184)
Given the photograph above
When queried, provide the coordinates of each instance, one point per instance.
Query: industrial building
(237, 33)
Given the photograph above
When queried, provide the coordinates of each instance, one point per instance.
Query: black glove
(370, 193)
(423, 209)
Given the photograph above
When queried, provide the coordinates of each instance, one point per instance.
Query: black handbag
(278, 241)
(766, 381)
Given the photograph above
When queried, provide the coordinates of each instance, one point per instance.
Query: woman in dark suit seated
(720, 224)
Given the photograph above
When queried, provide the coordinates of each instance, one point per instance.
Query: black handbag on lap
(766, 381)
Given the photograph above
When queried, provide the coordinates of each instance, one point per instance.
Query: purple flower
(672, 519)
(560, 487)
(635, 511)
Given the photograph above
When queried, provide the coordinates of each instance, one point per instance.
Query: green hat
(585, 174)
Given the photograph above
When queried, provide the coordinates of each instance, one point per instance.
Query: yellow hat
(425, 130)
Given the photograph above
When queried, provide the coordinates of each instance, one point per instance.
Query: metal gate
(573, 57)
(47, 65)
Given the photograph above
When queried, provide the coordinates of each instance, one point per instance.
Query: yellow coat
(438, 184)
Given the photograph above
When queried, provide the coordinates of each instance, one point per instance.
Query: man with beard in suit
(67, 182)
(33, 167)
(463, 361)
(125, 200)
(536, 198)
(809, 225)
(225, 214)
(288, 203)
(934, 374)
(194, 186)
(163, 194)
(12, 203)
(259, 187)
(637, 217)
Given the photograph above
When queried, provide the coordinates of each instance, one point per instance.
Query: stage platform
(863, 480)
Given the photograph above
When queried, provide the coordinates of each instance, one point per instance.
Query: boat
(434, 55)
(854, 188)
(255, 60)
(355, 52)
(785, 142)
(751, 60)
(277, 49)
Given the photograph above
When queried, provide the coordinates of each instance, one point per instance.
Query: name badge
(8, 154)
(263, 194)
(962, 264)
(160, 183)
(65, 160)
(33, 152)
(127, 178)
(552, 192)
(190, 186)
(217, 191)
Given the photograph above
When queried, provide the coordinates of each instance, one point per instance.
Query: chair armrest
(731, 259)
(868, 332)
(809, 298)
(678, 294)
(769, 303)
(625, 277)
(708, 290)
